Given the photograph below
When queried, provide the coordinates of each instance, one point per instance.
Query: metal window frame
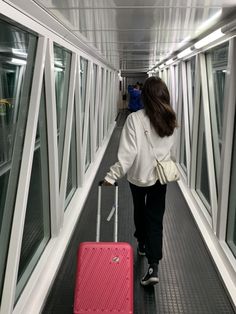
(195, 134)
(64, 110)
(172, 86)
(86, 116)
(190, 97)
(97, 107)
(107, 92)
(186, 117)
(196, 114)
(200, 141)
(103, 81)
(52, 139)
(208, 138)
(228, 134)
(67, 139)
(213, 115)
(78, 123)
(179, 113)
(93, 122)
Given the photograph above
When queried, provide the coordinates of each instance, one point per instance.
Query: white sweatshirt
(135, 155)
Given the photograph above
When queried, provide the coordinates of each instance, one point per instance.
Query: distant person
(135, 102)
(137, 160)
(130, 88)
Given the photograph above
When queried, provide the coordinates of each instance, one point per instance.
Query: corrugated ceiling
(135, 34)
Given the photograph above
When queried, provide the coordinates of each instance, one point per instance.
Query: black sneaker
(141, 249)
(151, 277)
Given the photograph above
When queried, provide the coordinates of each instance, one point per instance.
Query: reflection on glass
(72, 171)
(183, 159)
(102, 98)
(16, 70)
(231, 223)
(202, 180)
(191, 90)
(62, 60)
(192, 65)
(95, 69)
(105, 100)
(88, 148)
(83, 82)
(37, 220)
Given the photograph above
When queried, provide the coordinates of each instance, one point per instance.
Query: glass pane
(95, 69)
(72, 171)
(176, 70)
(102, 98)
(37, 220)
(192, 62)
(217, 61)
(191, 90)
(88, 149)
(62, 60)
(183, 159)
(202, 180)
(83, 81)
(16, 70)
(105, 100)
(231, 223)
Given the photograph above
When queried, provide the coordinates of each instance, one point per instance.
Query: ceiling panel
(148, 30)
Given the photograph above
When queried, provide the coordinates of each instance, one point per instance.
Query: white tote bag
(167, 171)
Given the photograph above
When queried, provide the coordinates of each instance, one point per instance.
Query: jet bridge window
(18, 49)
(217, 62)
(62, 60)
(231, 223)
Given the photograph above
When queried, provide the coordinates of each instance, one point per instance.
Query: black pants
(149, 208)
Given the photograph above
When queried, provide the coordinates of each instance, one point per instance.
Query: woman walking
(147, 135)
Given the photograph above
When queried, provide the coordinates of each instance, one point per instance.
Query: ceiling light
(169, 61)
(184, 53)
(208, 39)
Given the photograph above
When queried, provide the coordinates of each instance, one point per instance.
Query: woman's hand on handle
(106, 183)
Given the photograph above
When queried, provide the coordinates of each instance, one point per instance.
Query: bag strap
(147, 135)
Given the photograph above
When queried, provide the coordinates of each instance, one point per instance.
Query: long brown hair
(156, 100)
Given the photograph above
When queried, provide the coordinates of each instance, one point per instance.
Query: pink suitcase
(104, 279)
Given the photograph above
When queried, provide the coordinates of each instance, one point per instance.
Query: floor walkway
(189, 282)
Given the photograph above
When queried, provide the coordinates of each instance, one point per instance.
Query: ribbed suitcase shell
(104, 279)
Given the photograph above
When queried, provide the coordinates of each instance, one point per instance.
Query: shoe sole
(150, 282)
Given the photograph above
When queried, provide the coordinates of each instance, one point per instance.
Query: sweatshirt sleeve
(126, 153)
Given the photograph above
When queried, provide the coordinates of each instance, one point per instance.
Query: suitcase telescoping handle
(99, 212)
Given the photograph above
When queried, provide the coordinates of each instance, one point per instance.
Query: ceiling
(134, 35)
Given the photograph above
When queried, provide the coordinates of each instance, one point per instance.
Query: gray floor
(189, 282)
